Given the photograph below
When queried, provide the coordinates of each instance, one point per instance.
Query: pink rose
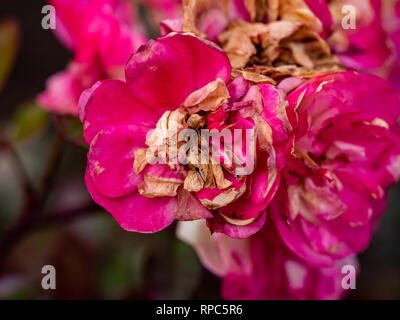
(92, 29)
(391, 18)
(343, 155)
(262, 267)
(181, 84)
(373, 45)
(366, 47)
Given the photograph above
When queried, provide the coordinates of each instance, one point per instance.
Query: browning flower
(183, 141)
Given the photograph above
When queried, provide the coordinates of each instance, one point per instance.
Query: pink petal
(134, 212)
(171, 25)
(167, 70)
(237, 89)
(321, 10)
(264, 181)
(369, 49)
(243, 209)
(63, 90)
(110, 104)
(111, 158)
(69, 28)
(219, 224)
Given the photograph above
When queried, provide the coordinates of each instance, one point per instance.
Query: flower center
(207, 148)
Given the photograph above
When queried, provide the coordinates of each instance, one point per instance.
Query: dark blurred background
(93, 256)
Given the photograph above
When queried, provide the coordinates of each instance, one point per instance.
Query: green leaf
(28, 120)
(9, 41)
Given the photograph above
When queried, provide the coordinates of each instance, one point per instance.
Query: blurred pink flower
(368, 46)
(391, 18)
(262, 267)
(174, 83)
(344, 154)
(102, 34)
(373, 46)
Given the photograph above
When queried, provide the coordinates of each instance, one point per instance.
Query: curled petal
(220, 224)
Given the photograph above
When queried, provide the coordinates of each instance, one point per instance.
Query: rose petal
(167, 70)
(219, 224)
(134, 212)
(111, 158)
(110, 104)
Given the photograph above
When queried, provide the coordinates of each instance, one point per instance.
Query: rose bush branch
(23, 228)
(31, 216)
(29, 191)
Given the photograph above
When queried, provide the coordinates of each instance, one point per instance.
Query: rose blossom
(391, 18)
(373, 44)
(272, 38)
(299, 37)
(262, 267)
(102, 34)
(343, 155)
(176, 83)
(368, 46)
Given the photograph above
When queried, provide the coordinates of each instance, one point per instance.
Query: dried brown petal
(196, 121)
(208, 98)
(339, 41)
(219, 177)
(154, 187)
(253, 77)
(298, 11)
(238, 222)
(195, 10)
(224, 198)
(307, 73)
(140, 160)
(159, 135)
(193, 182)
(170, 123)
(273, 10)
(279, 30)
(264, 133)
(239, 39)
(300, 55)
(189, 207)
(176, 121)
(251, 7)
(239, 49)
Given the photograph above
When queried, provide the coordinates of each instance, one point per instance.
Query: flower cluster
(259, 119)
(102, 35)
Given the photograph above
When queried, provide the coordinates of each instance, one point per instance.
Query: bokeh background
(95, 258)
